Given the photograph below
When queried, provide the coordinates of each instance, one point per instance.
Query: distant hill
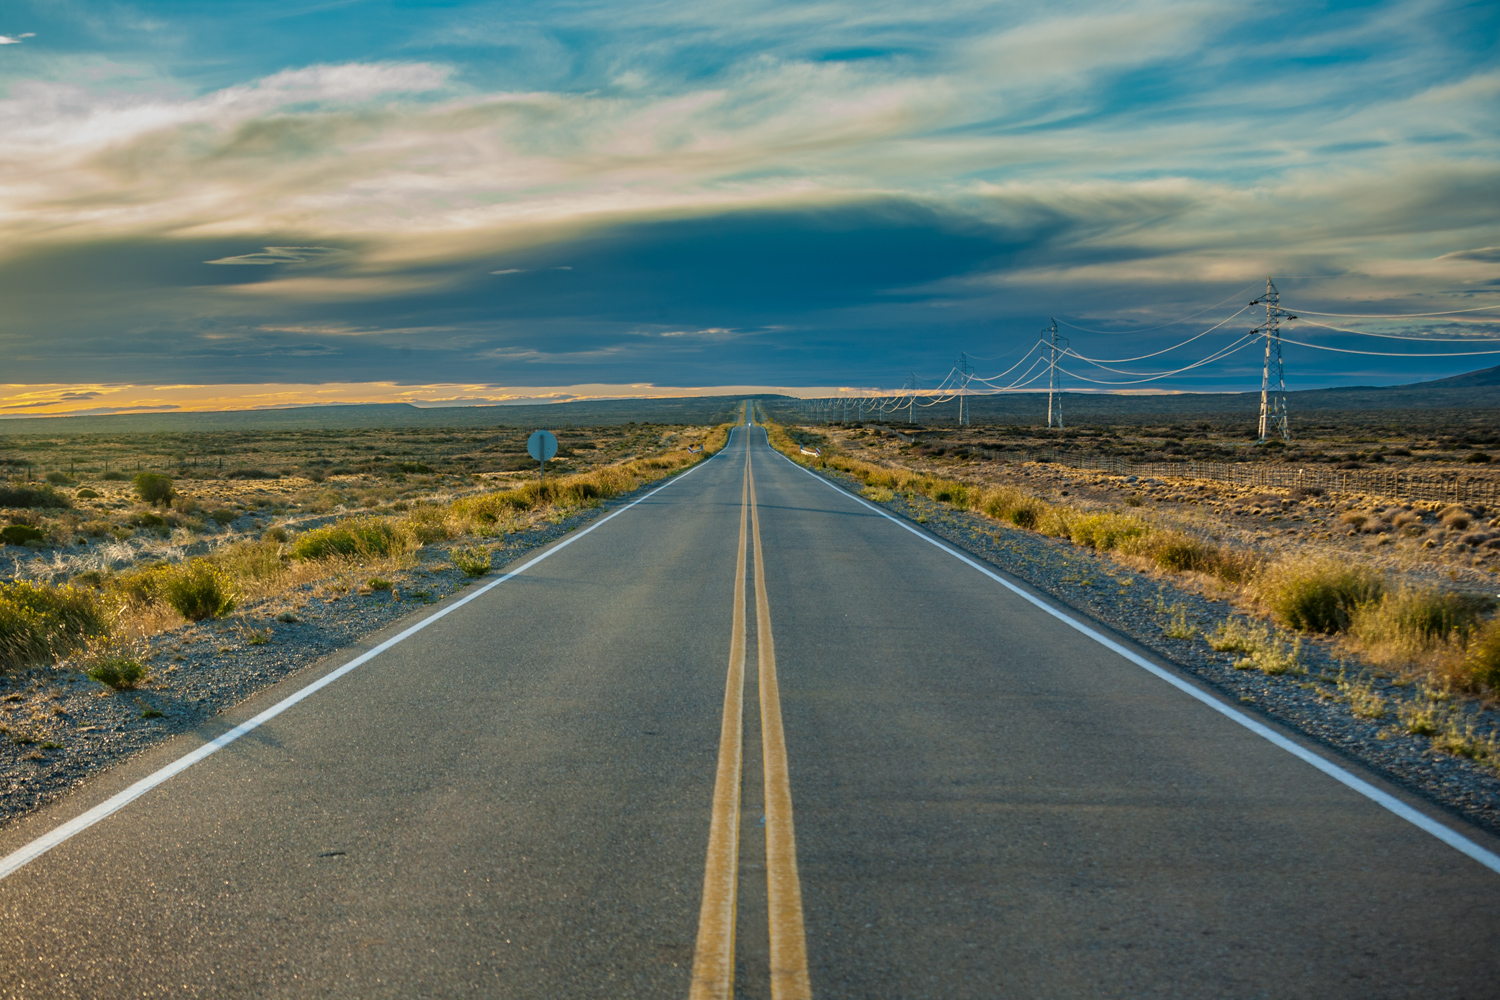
(1483, 377)
(1462, 396)
(683, 410)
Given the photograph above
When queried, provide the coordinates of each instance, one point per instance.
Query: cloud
(1486, 254)
(281, 255)
(880, 178)
(16, 39)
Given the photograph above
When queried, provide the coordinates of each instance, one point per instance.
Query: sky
(265, 202)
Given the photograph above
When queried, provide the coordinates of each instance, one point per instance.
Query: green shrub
(430, 523)
(114, 477)
(32, 496)
(154, 488)
(20, 534)
(1180, 554)
(1419, 617)
(222, 515)
(365, 537)
(473, 560)
(1481, 664)
(198, 590)
(87, 494)
(1106, 531)
(1318, 596)
(118, 672)
(59, 479)
(40, 621)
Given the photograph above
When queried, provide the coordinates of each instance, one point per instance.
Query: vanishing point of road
(748, 736)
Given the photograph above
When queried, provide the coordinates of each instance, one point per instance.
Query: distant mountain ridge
(1483, 377)
(1468, 392)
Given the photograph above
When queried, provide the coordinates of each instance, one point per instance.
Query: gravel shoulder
(58, 727)
(1314, 701)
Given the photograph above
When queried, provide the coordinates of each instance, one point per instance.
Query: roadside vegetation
(166, 551)
(1442, 642)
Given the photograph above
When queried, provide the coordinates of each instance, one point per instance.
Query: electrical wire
(1243, 343)
(1148, 329)
(1451, 312)
(1389, 354)
(996, 378)
(1397, 336)
(1234, 345)
(1164, 350)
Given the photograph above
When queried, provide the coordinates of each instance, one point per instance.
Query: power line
(1175, 322)
(1451, 312)
(1398, 336)
(1388, 354)
(1174, 347)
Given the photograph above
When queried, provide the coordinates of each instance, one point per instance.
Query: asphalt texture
(515, 802)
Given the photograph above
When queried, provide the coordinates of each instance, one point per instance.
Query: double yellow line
(713, 958)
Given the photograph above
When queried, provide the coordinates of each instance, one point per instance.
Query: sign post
(542, 445)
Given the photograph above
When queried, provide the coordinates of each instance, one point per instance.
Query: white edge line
(22, 856)
(1449, 836)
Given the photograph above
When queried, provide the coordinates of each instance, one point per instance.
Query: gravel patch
(1314, 701)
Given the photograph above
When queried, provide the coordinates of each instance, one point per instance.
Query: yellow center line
(789, 977)
(713, 957)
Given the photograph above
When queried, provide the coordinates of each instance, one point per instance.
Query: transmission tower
(1053, 399)
(963, 385)
(911, 404)
(1273, 399)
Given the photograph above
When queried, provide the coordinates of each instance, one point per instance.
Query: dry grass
(1264, 650)
(1364, 701)
(1316, 595)
(41, 621)
(474, 560)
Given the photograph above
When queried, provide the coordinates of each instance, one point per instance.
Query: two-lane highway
(748, 735)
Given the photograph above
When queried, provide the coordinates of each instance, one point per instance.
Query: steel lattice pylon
(1273, 398)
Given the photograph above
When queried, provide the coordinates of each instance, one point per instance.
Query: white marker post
(542, 445)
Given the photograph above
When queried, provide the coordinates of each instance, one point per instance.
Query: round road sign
(542, 445)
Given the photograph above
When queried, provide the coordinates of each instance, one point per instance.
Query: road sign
(542, 445)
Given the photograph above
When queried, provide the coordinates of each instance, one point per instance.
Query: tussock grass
(1424, 629)
(365, 537)
(1107, 531)
(1364, 701)
(474, 560)
(1480, 667)
(40, 621)
(1178, 626)
(198, 590)
(33, 497)
(122, 673)
(1317, 595)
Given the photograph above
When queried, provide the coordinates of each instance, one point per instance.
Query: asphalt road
(516, 801)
